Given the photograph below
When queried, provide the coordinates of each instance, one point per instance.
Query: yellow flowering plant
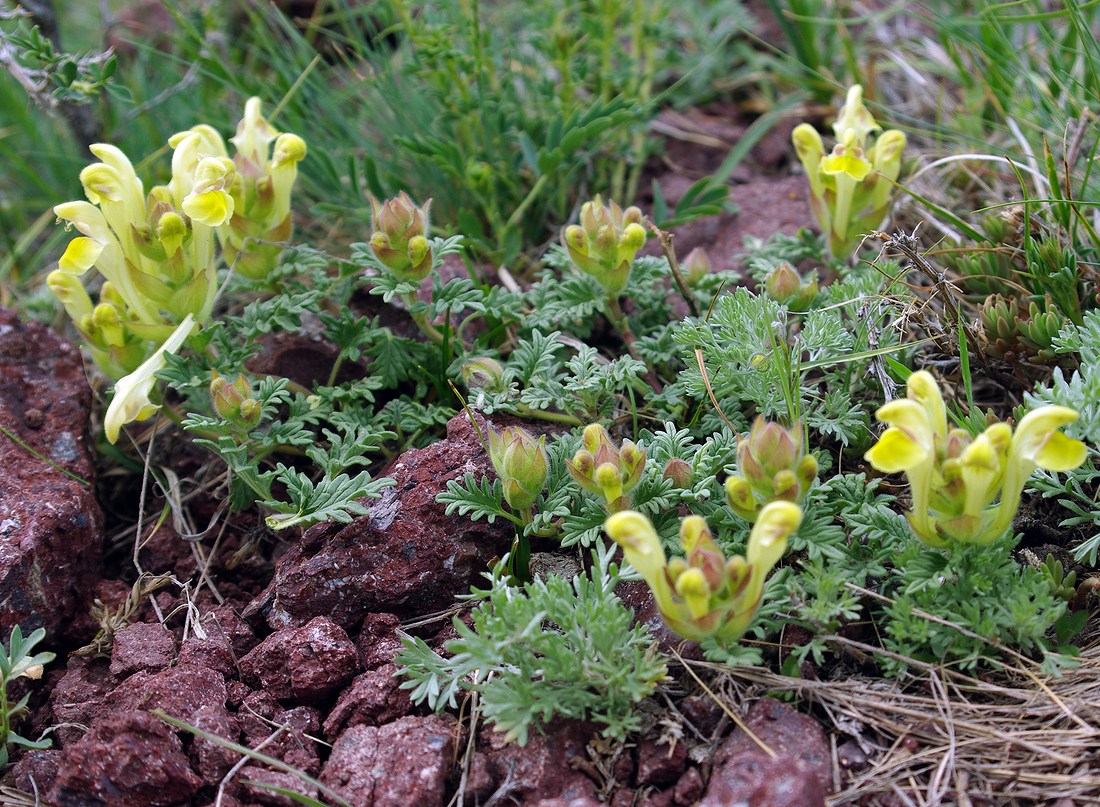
(606, 471)
(605, 242)
(850, 188)
(772, 465)
(265, 165)
(967, 490)
(156, 252)
(703, 594)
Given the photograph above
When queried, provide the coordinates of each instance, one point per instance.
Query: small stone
(34, 418)
(688, 788)
(35, 770)
(180, 691)
(211, 760)
(799, 775)
(660, 764)
(213, 652)
(129, 759)
(377, 641)
(400, 764)
(143, 646)
(303, 665)
(374, 698)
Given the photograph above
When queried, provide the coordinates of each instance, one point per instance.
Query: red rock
(702, 711)
(181, 691)
(688, 788)
(261, 716)
(224, 621)
(799, 775)
(51, 526)
(542, 769)
(373, 698)
(78, 697)
(406, 556)
(660, 764)
(210, 759)
(129, 759)
(656, 798)
(213, 652)
(303, 665)
(143, 646)
(34, 771)
(282, 779)
(400, 764)
(377, 641)
(582, 801)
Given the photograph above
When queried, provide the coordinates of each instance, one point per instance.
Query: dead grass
(938, 737)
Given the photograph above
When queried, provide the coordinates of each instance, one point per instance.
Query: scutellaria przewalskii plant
(967, 490)
(156, 252)
(851, 186)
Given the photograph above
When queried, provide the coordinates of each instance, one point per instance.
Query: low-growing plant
(16, 662)
(851, 187)
(550, 647)
(703, 595)
(967, 490)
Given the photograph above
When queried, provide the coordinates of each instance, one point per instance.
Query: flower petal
(896, 451)
(80, 256)
(131, 401)
(641, 546)
(1061, 453)
(213, 208)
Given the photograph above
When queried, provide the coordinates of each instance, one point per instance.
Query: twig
(665, 238)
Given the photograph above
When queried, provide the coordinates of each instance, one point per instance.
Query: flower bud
(772, 466)
(521, 463)
(784, 285)
(609, 472)
(483, 372)
(605, 242)
(679, 472)
(399, 240)
(696, 266)
(234, 401)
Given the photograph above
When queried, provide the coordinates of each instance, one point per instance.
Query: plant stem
(618, 319)
(551, 417)
(421, 321)
(674, 265)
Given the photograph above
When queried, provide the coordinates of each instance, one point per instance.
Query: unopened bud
(679, 472)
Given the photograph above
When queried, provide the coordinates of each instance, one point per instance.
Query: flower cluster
(156, 251)
(521, 464)
(967, 489)
(399, 240)
(850, 188)
(606, 471)
(704, 594)
(772, 466)
(605, 243)
(259, 219)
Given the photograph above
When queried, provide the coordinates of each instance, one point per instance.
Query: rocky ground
(288, 648)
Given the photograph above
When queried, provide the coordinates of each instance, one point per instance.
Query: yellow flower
(704, 595)
(131, 401)
(250, 194)
(963, 489)
(850, 189)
